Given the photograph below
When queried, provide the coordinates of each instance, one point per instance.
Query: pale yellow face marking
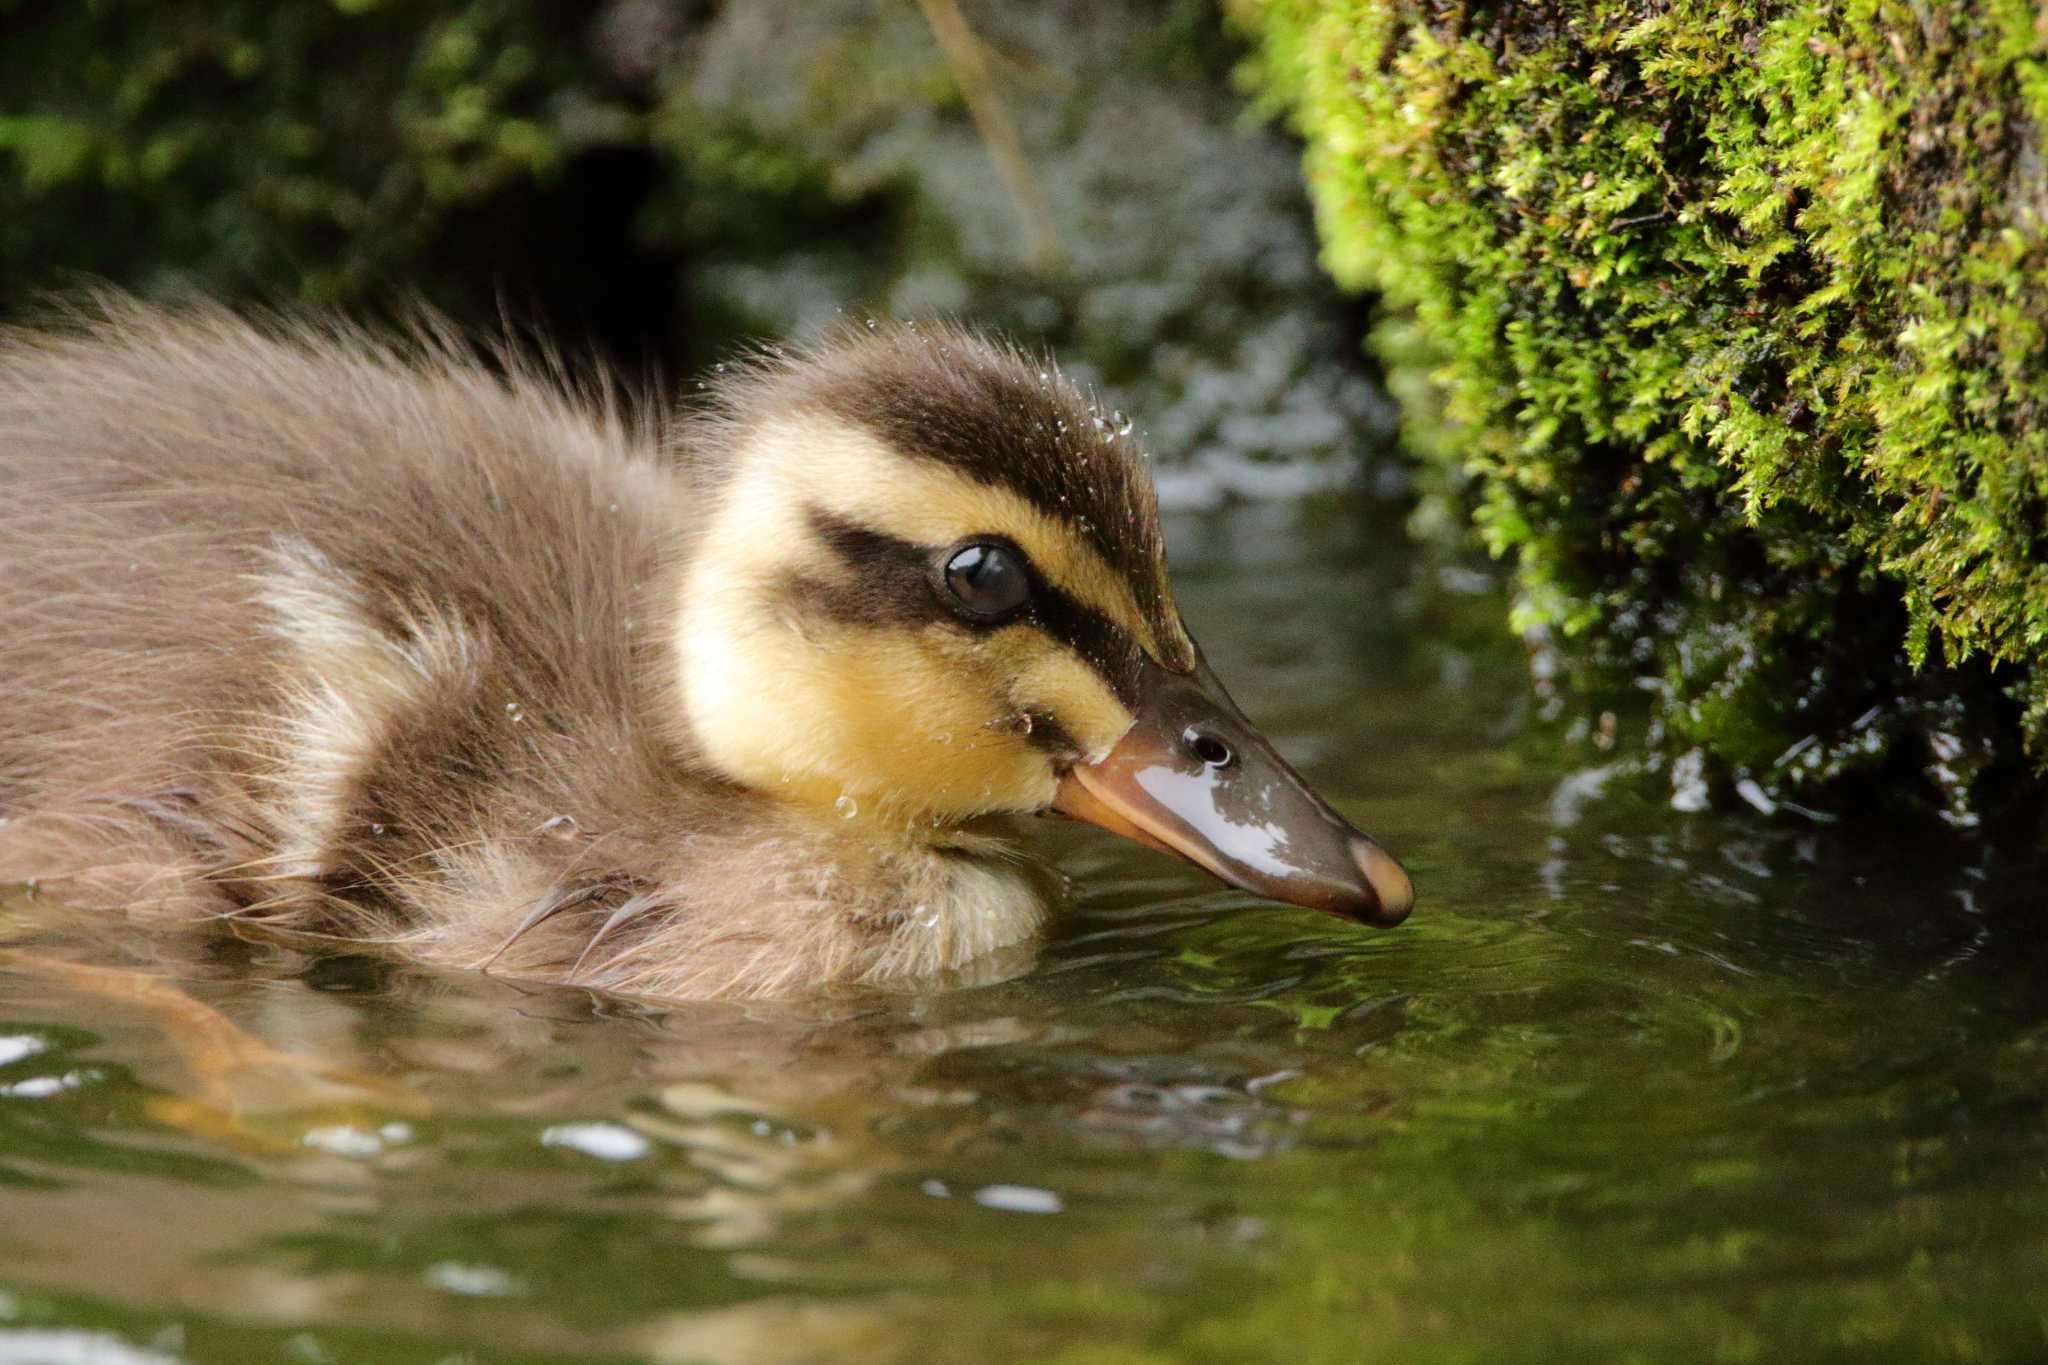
(907, 721)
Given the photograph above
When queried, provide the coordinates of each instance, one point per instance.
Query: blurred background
(655, 180)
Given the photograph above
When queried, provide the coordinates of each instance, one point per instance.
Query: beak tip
(1389, 881)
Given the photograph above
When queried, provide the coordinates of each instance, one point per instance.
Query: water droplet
(925, 917)
(613, 508)
(1128, 424)
(559, 824)
(847, 807)
(376, 829)
(515, 712)
(871, 324)
(1024, 723)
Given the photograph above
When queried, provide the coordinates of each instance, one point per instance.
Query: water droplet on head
(925, 917)
(514, 711)
(1024, 723)
(559, 824)
(847, 807)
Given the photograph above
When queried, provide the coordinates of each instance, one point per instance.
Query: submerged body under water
(1633, 1083)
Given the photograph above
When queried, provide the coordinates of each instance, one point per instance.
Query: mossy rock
(1727, 322)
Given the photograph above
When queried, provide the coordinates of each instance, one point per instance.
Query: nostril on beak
(1388, 878)
(1207, 747)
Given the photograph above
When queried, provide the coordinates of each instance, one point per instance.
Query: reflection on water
(1688, 1086)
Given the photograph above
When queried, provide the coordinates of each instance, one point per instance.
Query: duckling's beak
(1192, 777)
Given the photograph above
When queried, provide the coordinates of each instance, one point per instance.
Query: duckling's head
(931, 586)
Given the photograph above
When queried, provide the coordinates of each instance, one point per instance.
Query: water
(1633, 1083)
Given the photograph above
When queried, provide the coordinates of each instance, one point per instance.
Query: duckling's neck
(954, 903)
(906, 901)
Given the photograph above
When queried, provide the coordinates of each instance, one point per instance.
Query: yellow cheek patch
(1076, 696)
(879, 722)
(921, 726)
(934, 713)
(1038, 675)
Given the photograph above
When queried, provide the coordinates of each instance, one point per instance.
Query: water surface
(1631, 1084)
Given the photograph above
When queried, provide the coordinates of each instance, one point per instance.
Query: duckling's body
(376, 643)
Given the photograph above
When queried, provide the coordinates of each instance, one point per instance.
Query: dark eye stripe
(1002, 419)
(891, 582)
(1103, 645)
(1048, 736)
(892, 585)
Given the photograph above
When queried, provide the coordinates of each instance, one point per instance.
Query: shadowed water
(1632, 1083)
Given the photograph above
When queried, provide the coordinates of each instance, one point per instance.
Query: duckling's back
(287, 616)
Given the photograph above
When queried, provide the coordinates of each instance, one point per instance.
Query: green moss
(1726, 321)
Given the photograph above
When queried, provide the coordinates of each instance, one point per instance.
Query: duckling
(364, 638)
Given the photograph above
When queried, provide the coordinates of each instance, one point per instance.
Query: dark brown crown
(993, 413)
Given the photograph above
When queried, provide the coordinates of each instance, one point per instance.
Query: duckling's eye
(987, 580)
